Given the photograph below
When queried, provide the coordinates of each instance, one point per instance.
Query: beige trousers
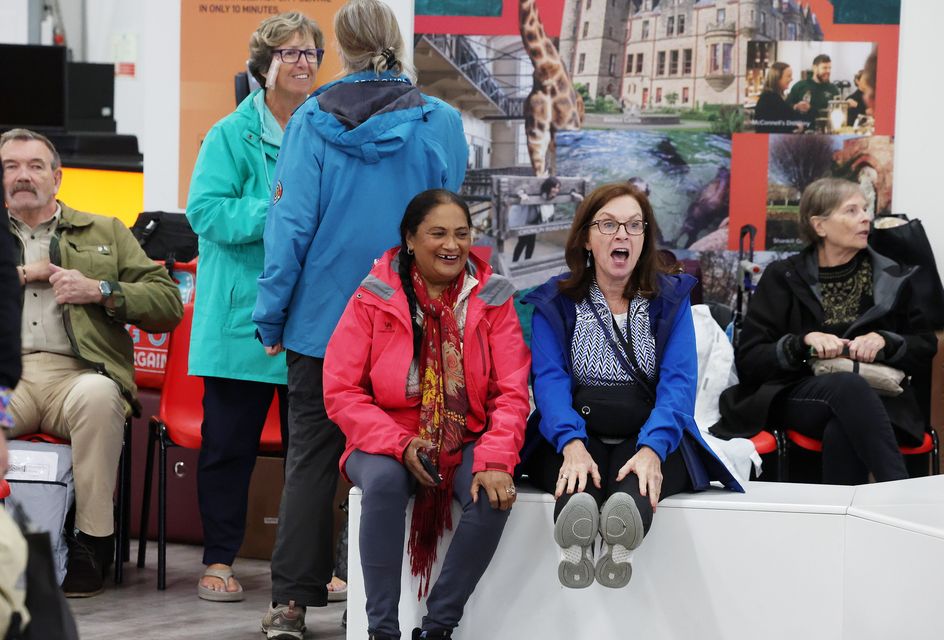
(61, 396)
(12, 569)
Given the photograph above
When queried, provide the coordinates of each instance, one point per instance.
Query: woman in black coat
(772, 113)
(836, 297)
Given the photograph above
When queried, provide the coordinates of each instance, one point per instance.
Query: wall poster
(667, 94)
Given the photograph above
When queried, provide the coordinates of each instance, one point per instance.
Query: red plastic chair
(122, 495)
(178, 424)
(929, 446)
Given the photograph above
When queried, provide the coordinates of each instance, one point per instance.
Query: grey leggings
(387, 487)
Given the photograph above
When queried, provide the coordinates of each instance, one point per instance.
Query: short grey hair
(26, 134)
(276, 31)
(369, 39)
(822, 198)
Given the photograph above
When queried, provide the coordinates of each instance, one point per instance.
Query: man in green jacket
(84, 277)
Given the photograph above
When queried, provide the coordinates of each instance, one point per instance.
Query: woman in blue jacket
(614, 371)
(354, 155)
(227, 205)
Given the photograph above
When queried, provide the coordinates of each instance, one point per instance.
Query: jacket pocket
(95, 261)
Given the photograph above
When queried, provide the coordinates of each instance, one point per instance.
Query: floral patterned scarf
(443, 407)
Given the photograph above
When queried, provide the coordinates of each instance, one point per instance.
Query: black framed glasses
(291, 56)
(610, 227)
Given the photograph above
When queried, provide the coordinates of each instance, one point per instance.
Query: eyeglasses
(291, 56)
(610, 227)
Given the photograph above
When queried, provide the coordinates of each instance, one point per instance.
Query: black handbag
(616, 411)
(908, 244)
(165, 236)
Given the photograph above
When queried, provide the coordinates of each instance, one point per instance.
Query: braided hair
(416, 211)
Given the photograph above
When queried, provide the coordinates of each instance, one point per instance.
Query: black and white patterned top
(594, 362)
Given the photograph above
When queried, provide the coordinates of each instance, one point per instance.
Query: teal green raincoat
(229, 198)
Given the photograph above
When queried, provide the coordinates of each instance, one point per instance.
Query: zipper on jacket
(478, 334)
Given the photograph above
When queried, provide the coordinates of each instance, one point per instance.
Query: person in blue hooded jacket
(353, 156)
(614, 375)
(227, 205)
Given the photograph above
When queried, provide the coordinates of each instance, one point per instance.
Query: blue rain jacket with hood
(354, 154)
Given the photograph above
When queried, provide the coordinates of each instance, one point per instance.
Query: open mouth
(447, 257)
(301, 76)
(620, 255)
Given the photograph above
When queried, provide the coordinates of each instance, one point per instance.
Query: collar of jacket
(383, 282)
(253, 130)
(70, 218)
(888, 280)
(361, 76)
(560, 310)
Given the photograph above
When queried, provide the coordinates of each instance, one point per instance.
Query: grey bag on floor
(40, 478)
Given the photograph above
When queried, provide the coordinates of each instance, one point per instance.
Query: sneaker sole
(284, 635)
(621, 522)
(577, 575)
(612, 574)
(577, 526)
(578, 522)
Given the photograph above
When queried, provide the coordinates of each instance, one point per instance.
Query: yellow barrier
(109, 193)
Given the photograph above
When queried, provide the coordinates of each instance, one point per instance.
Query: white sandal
(213, 595)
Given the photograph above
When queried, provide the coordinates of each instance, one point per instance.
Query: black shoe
(439, 634)
(88, 561)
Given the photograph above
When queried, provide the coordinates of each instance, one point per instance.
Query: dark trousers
(302, 558)
(843, 411)
(524, 245)
(234, 412)
(387, 487)
(543, 468)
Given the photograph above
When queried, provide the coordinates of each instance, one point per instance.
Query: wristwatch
(104, 287)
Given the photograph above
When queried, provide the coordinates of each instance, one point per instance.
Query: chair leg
(935, 453)
(126, 495)
(162, 517)
(146, 494)
(122, 520)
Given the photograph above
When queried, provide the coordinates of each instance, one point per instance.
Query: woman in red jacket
(427, 376)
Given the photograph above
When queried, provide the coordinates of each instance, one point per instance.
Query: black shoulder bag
(616, 411)
(165, 236)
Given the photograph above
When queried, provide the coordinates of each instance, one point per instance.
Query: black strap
(633, 372)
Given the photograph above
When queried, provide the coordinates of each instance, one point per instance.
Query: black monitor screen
(33, 91)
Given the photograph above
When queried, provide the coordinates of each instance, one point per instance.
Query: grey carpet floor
(136, 610)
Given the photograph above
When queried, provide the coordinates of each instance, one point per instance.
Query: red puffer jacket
(369, 355)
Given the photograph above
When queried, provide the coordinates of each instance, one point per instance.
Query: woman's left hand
(499, 487)
(865, 348)
(647, 466)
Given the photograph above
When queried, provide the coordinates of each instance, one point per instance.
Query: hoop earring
(409, 251)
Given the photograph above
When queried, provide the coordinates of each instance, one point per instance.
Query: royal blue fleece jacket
(671, 423)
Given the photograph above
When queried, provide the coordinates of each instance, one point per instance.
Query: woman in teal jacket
(229, 199)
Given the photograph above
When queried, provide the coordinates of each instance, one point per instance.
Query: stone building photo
(686, 54)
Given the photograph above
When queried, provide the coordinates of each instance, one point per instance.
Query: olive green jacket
(103, 248)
